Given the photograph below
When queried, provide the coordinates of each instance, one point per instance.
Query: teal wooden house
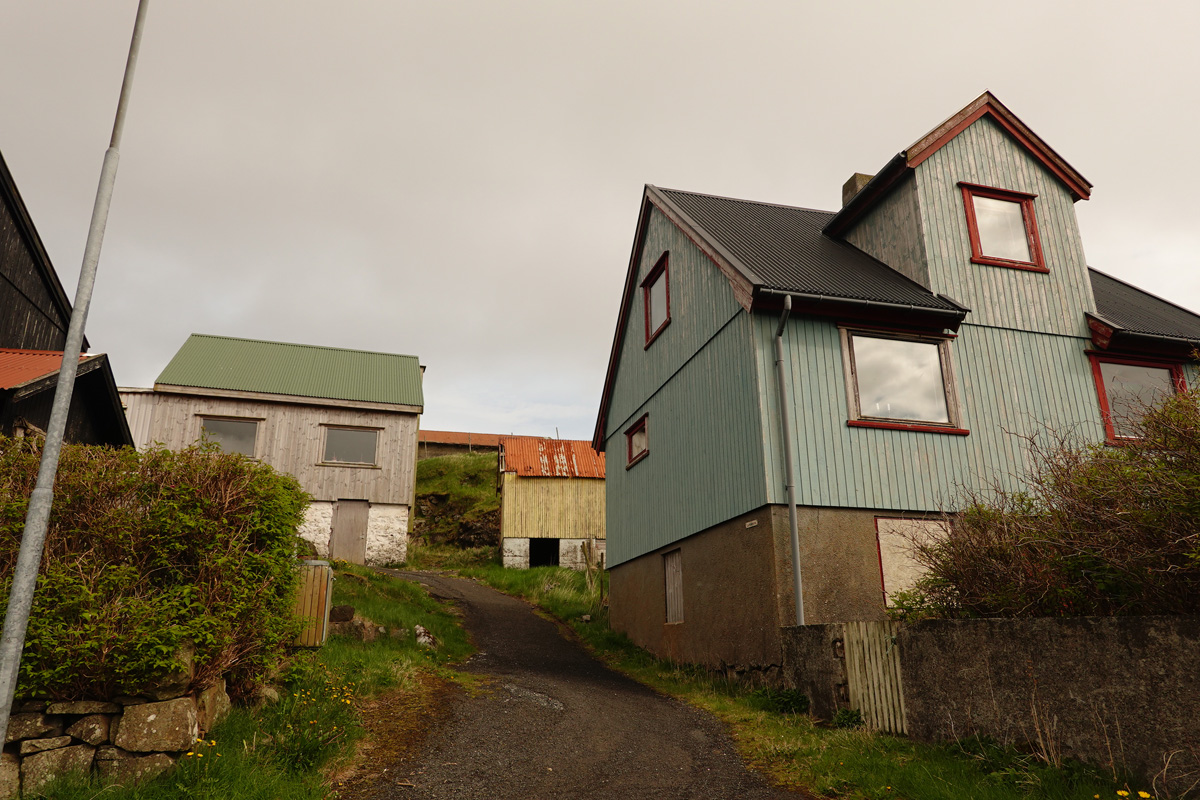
(925, 330)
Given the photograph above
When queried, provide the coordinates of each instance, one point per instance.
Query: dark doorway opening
(543, 552)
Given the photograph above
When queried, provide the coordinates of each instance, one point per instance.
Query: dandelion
(1143, 795)
(1122, 793)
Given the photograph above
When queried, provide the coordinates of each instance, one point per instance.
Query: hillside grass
(796, 750)
(290, 749)
(457, 496)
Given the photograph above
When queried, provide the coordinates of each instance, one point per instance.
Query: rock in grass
(425, 638)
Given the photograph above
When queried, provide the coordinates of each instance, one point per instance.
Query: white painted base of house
(572, 553)
(387, 531)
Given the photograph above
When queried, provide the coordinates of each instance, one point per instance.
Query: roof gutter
(957, 314)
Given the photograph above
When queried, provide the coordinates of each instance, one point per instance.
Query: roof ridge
(749, 202)
(299, 344)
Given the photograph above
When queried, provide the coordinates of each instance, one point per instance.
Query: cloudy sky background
(460, 180)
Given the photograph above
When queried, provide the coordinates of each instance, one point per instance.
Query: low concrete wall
(1122, 690)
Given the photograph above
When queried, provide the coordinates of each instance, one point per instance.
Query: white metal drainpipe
(37, 518)
(785, 420)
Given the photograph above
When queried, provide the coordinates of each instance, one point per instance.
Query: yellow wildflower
(1143, 795)
(1122, 793)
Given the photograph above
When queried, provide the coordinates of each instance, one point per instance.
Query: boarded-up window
(897, 539)
(673, 572)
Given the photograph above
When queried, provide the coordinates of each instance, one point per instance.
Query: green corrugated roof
(250, 365)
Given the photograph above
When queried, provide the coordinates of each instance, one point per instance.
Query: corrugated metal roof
(22, 366)
(251, 365)
(531, 456)
(1136, 311)
(457, 437)
(783, 247)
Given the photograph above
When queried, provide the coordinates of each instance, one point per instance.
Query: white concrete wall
(515, 553)
(318, 522)
(572, 553)
(387, 534)
(387, 531)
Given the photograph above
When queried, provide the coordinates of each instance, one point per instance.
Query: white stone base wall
(515, 553)
(387, 531)
(387, 534)
(572, 553)
(317, 525)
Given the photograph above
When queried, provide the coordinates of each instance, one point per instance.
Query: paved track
(555, 723)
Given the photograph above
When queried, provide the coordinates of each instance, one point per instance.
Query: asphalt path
(552, 722)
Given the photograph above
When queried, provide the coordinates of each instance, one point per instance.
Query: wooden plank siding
(1053, 302)
(552, 508)
(873, 675)
(893, 232)
(697, 382)
(1011, 384)
(32, 319)
(291, 439)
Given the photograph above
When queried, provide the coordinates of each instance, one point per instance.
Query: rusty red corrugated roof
(22, 366)
(456, 437)
(532, 456)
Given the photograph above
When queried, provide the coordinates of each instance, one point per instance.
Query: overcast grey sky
(460, 180)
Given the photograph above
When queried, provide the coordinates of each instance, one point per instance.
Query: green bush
(149, 555)
(1102, 530)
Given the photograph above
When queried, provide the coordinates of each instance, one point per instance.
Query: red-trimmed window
(900, 382)
(656, 299)
(1128, 387)
(1003, 228)
(637, 442)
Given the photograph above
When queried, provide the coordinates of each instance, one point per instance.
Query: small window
(673, 580)
(897, 539)
(1128, 387)
(1002, 227)
(350, 445)
(232, 435)
(656, 298)
(637, 442)
(896, 381)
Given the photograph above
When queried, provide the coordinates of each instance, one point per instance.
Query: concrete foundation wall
(572, 553)
(730, 607)
(387, 531)
(814, 661)
(1103, 689)
(515, 553)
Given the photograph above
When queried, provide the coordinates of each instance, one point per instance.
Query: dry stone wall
(125, 741)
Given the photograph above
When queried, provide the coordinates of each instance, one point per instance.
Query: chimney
(853, 186)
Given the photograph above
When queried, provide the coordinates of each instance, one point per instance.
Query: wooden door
(348, 540)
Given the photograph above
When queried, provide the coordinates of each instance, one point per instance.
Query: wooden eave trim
(43, 382)
(987, 104)
(288, 399)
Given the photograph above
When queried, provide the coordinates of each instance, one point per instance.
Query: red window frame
(1175, 367)
(640, 425)
(970, 191)
(660, 270)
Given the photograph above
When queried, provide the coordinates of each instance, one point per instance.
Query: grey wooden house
(34, 316)
(942, 314)
(343, 422)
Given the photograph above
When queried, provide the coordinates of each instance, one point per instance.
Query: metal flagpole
(37, 519)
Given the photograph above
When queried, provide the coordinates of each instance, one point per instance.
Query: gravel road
(552, 722)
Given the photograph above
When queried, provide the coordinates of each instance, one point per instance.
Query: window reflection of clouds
(899, 380)
(1131, 390)
(1001, 226)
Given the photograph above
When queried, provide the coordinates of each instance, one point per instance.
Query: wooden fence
(313, 601)
(873, 674)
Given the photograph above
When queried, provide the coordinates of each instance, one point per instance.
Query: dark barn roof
(782, 248)
(1135, 311)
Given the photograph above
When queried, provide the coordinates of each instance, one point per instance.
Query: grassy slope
(284, 750)
(460, 489)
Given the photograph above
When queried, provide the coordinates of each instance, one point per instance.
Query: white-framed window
(900, 381)
(231, 434)
(897, 539)
(350, 445)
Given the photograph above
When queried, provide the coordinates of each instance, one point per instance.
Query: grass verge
(794, 749)
(288, 749)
